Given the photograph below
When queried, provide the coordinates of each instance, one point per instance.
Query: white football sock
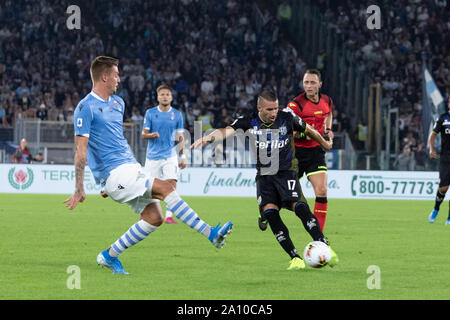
(137, 232)
(183, 212)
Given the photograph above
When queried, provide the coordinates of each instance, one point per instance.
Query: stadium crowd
(393, 55)
(213, 53)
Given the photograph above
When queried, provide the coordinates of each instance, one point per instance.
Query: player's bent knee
(173, 182)
(152, 214)
(443, 190)
(272, 216)
(321, 192)
(270, 206)
(301, 209)
(161, 189)
(270, 212)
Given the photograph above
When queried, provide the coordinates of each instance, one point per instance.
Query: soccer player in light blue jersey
(163, 128)
(100, 144)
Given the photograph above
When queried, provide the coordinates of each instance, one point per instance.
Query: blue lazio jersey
(102, 122)
(166, 124)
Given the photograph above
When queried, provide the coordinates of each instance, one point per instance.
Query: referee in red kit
(315, 109)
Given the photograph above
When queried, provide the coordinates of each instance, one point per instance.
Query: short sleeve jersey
(442, 126)
(273, 142)
(166, 124)
(314, 114)
(102, 122)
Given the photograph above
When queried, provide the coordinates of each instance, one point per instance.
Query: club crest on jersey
(172, 115)
(117, 105)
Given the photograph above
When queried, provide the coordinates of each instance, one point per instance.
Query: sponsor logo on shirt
(274, 144)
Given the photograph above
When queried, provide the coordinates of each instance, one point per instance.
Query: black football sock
(309, 221)
(281, 232)
(439, 198)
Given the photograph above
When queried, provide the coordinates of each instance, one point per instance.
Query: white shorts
(130, 184)
(164, 169)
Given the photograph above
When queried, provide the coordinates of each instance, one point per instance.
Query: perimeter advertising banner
(57, 179)
(231, 182)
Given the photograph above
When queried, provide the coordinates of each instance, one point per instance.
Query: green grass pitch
(40, 239)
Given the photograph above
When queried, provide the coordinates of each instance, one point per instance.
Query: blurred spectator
(345, 123)
(42, 112)
(23, 154)
(68, 115)
(9, 119)
(206, 120)
(2, 116)
(410, 140)
(30, 113)
(336, 124)
(420, 157)
(23, 89)
(53, 114)
(284, 12)
(361, 136)
(207, 86)
(136, 116)
(39, 157)
(405, 161)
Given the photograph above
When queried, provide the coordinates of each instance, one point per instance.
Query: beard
(113, 89)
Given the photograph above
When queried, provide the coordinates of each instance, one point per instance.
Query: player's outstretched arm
(217, 135)
(80, 163)
(431, 142)
(316, 136)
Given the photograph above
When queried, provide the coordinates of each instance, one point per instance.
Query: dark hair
(268, 95)
(100, 64)
(314, 71)
(164, 86)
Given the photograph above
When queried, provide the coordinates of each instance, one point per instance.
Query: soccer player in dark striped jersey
(270, 131)
(442, 126)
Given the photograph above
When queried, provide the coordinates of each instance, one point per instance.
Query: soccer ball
(317, 254)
